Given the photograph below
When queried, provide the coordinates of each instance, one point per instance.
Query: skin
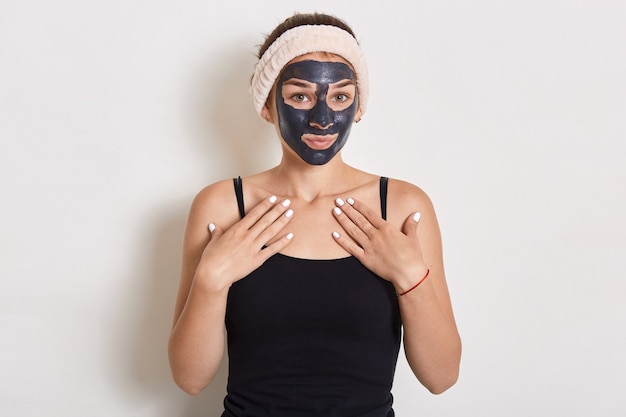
(400, 250)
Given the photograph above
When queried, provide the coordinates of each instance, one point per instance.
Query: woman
(317, 269)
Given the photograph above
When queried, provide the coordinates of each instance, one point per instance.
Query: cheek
(292, 117)
(345, 118)
(292, 122)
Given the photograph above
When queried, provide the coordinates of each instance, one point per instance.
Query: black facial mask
(320, 120)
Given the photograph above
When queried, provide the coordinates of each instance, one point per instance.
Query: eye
(300, 98)
(341, 97)
(340, 100)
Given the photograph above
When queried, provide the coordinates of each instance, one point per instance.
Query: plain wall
(511, 115)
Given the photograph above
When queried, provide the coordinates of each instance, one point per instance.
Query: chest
(313, 225)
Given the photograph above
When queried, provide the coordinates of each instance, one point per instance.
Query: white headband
(303, 40)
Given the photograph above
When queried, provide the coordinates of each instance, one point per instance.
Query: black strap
(383, 197)
(239, 193)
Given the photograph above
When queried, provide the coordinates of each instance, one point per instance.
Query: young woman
(317, 269)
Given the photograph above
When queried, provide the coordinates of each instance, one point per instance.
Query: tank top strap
(384, 181)
(239, 193)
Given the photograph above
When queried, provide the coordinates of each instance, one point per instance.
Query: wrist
(209, 284)
(411, 281)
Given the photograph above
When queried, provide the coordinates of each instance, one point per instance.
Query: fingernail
(337, 211)
(339, 202)
(289, 236)
(350, 201)
(289, 213)
(211, 227)
(273, 199)
(336, 235)
(286, 203)
(417, 216)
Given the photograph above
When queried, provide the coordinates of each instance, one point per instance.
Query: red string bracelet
(416, 285)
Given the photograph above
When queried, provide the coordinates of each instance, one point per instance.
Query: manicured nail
(289, 213)
(336, 235)
(350, 201)
(211, 227)
(339, 202)
(273, 199)
(289, 236)
(286, 203)
(337, 211)
(417, 216)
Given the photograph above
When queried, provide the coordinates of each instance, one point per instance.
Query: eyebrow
(342, 83)
(308, 84)
(299, 83)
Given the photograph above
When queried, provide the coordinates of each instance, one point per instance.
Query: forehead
(320, 57)
(319, 72)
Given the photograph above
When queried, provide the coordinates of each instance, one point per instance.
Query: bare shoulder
(405, 198)
(406, 194)
(215, 203)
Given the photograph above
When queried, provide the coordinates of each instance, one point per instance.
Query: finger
(275, 247)
(272, 230)
(348, 245)
(269, 218)
(411, 223)
(371, 215)
(257, 212)
(352, 229)
(214, 230)
(357, 218)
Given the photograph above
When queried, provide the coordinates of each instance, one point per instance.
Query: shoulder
(402, 191)
(404, 198)
(215, 194)
(215, 203)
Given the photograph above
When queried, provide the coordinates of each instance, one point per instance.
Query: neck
(308, 182)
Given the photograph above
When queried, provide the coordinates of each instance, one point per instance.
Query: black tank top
(311, 338)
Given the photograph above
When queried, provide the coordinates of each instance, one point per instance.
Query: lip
(318, 142)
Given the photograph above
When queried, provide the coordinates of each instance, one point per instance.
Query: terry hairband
(303, 40)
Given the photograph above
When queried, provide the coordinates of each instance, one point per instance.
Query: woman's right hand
(233, 254)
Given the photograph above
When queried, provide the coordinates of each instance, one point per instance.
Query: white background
(510, 114)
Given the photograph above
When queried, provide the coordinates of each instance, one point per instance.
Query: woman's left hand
(392, 254)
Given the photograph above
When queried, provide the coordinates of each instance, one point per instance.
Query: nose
(321, 116)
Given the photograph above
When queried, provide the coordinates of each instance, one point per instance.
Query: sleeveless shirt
(311, 338)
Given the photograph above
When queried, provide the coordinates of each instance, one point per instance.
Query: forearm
(196, 344)
(431, 341)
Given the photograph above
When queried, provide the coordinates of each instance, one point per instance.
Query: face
(316, 104)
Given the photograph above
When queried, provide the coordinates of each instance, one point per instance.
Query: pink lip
(319, 143)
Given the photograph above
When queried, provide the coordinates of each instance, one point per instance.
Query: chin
(317, 158)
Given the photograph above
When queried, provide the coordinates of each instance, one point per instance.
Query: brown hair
(302, 19)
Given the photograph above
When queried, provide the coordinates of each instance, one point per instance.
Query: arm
(402, 255)
(431, 340)
(212, 262)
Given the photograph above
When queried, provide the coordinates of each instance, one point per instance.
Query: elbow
(190, 386)
(187, 377)
(445, 376)
(439, 380)
(442, 384)
(189, 374)
(190, 389)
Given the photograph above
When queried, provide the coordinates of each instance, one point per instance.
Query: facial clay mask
(316, 104)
